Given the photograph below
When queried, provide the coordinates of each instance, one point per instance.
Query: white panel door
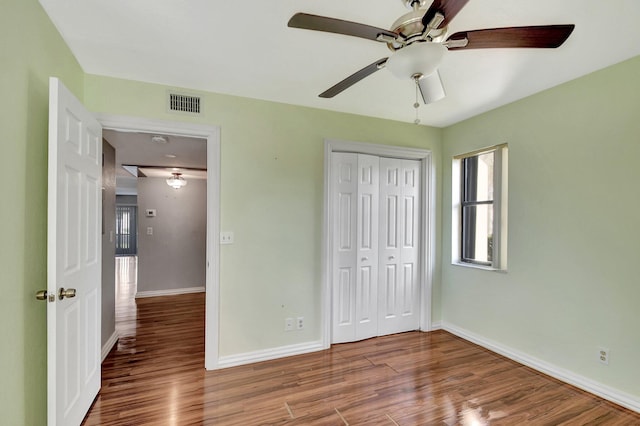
(367, 247)
(74, 258)
(399, 289)
(344, 190)
(355, 189)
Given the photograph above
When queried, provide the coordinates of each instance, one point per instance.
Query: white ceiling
(245, 48)
(138, 149)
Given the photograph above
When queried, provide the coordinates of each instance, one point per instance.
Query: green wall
(572, 283)
(271, 197)
(31, 50)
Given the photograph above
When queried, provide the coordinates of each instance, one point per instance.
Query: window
(479, 197)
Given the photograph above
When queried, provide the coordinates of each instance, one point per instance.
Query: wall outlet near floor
(603, 355)
(300, 323)
(288, 324)
(226, 237)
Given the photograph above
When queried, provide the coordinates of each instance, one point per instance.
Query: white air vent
(181, 102)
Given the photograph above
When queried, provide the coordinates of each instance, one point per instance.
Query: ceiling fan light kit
(418, 41)
(417, 58)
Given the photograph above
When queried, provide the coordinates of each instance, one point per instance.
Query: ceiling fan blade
(353, 79)
(431, 88)
(338, 26)
(448, 8)
(544, 36)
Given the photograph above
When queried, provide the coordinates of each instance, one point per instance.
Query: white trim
(109, 344)
(169, 292)
(212, 134)
(618, 397)
(269, 354)
(436, 325)
(428, 240)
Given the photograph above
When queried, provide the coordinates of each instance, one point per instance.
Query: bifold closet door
(355, 200)
(399, 263)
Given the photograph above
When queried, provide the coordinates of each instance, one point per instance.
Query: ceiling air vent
(181, 102)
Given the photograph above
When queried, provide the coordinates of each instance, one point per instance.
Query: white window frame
(500, 203)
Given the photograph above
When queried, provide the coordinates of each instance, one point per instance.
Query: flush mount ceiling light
(176, 181)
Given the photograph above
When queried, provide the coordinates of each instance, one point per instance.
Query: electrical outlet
(300, 323)
(226, 237)
(288, 324)
(603, 355)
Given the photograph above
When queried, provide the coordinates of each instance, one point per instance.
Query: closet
(375, 245)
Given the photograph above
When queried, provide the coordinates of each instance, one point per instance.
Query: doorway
(212, 136)
(424, 237)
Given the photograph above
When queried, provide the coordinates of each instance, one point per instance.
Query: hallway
(160, 339)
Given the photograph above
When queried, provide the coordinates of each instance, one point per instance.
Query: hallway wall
(174, 257)
(108, 241)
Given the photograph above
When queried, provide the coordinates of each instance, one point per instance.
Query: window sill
(474, 266)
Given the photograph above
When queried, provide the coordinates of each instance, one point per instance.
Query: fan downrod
(414, 4)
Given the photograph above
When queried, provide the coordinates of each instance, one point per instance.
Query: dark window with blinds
(126, 230)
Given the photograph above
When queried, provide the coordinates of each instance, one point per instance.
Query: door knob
(391, 257)
(43, 295)
(70, 292)
(364, 259)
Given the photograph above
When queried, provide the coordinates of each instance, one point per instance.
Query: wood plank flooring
(156, 376)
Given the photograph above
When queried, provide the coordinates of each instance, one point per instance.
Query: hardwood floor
(156, 376)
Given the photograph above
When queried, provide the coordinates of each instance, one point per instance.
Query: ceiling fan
(419, 41)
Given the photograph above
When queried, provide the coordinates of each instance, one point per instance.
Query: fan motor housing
(410, 26)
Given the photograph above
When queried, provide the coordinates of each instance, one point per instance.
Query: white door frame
(427, 224)
(212, 135)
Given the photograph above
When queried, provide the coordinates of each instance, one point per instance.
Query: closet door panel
(399, 253)
(408, 309)
(344, 185)
(391, 226)
(367, 250)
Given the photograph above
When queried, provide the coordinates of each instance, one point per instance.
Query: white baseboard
(170, 292)
(618, 397)
(109, 344)
(269, 354)
(436, 325)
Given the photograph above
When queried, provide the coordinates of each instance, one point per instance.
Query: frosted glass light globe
(418, 58)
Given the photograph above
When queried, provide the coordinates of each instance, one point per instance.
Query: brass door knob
(44, 295)
(70, 292)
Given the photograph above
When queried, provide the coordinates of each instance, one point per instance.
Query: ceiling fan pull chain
(416, 105)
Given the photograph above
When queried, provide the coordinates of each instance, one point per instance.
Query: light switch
(226, 237)
(149, 230)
